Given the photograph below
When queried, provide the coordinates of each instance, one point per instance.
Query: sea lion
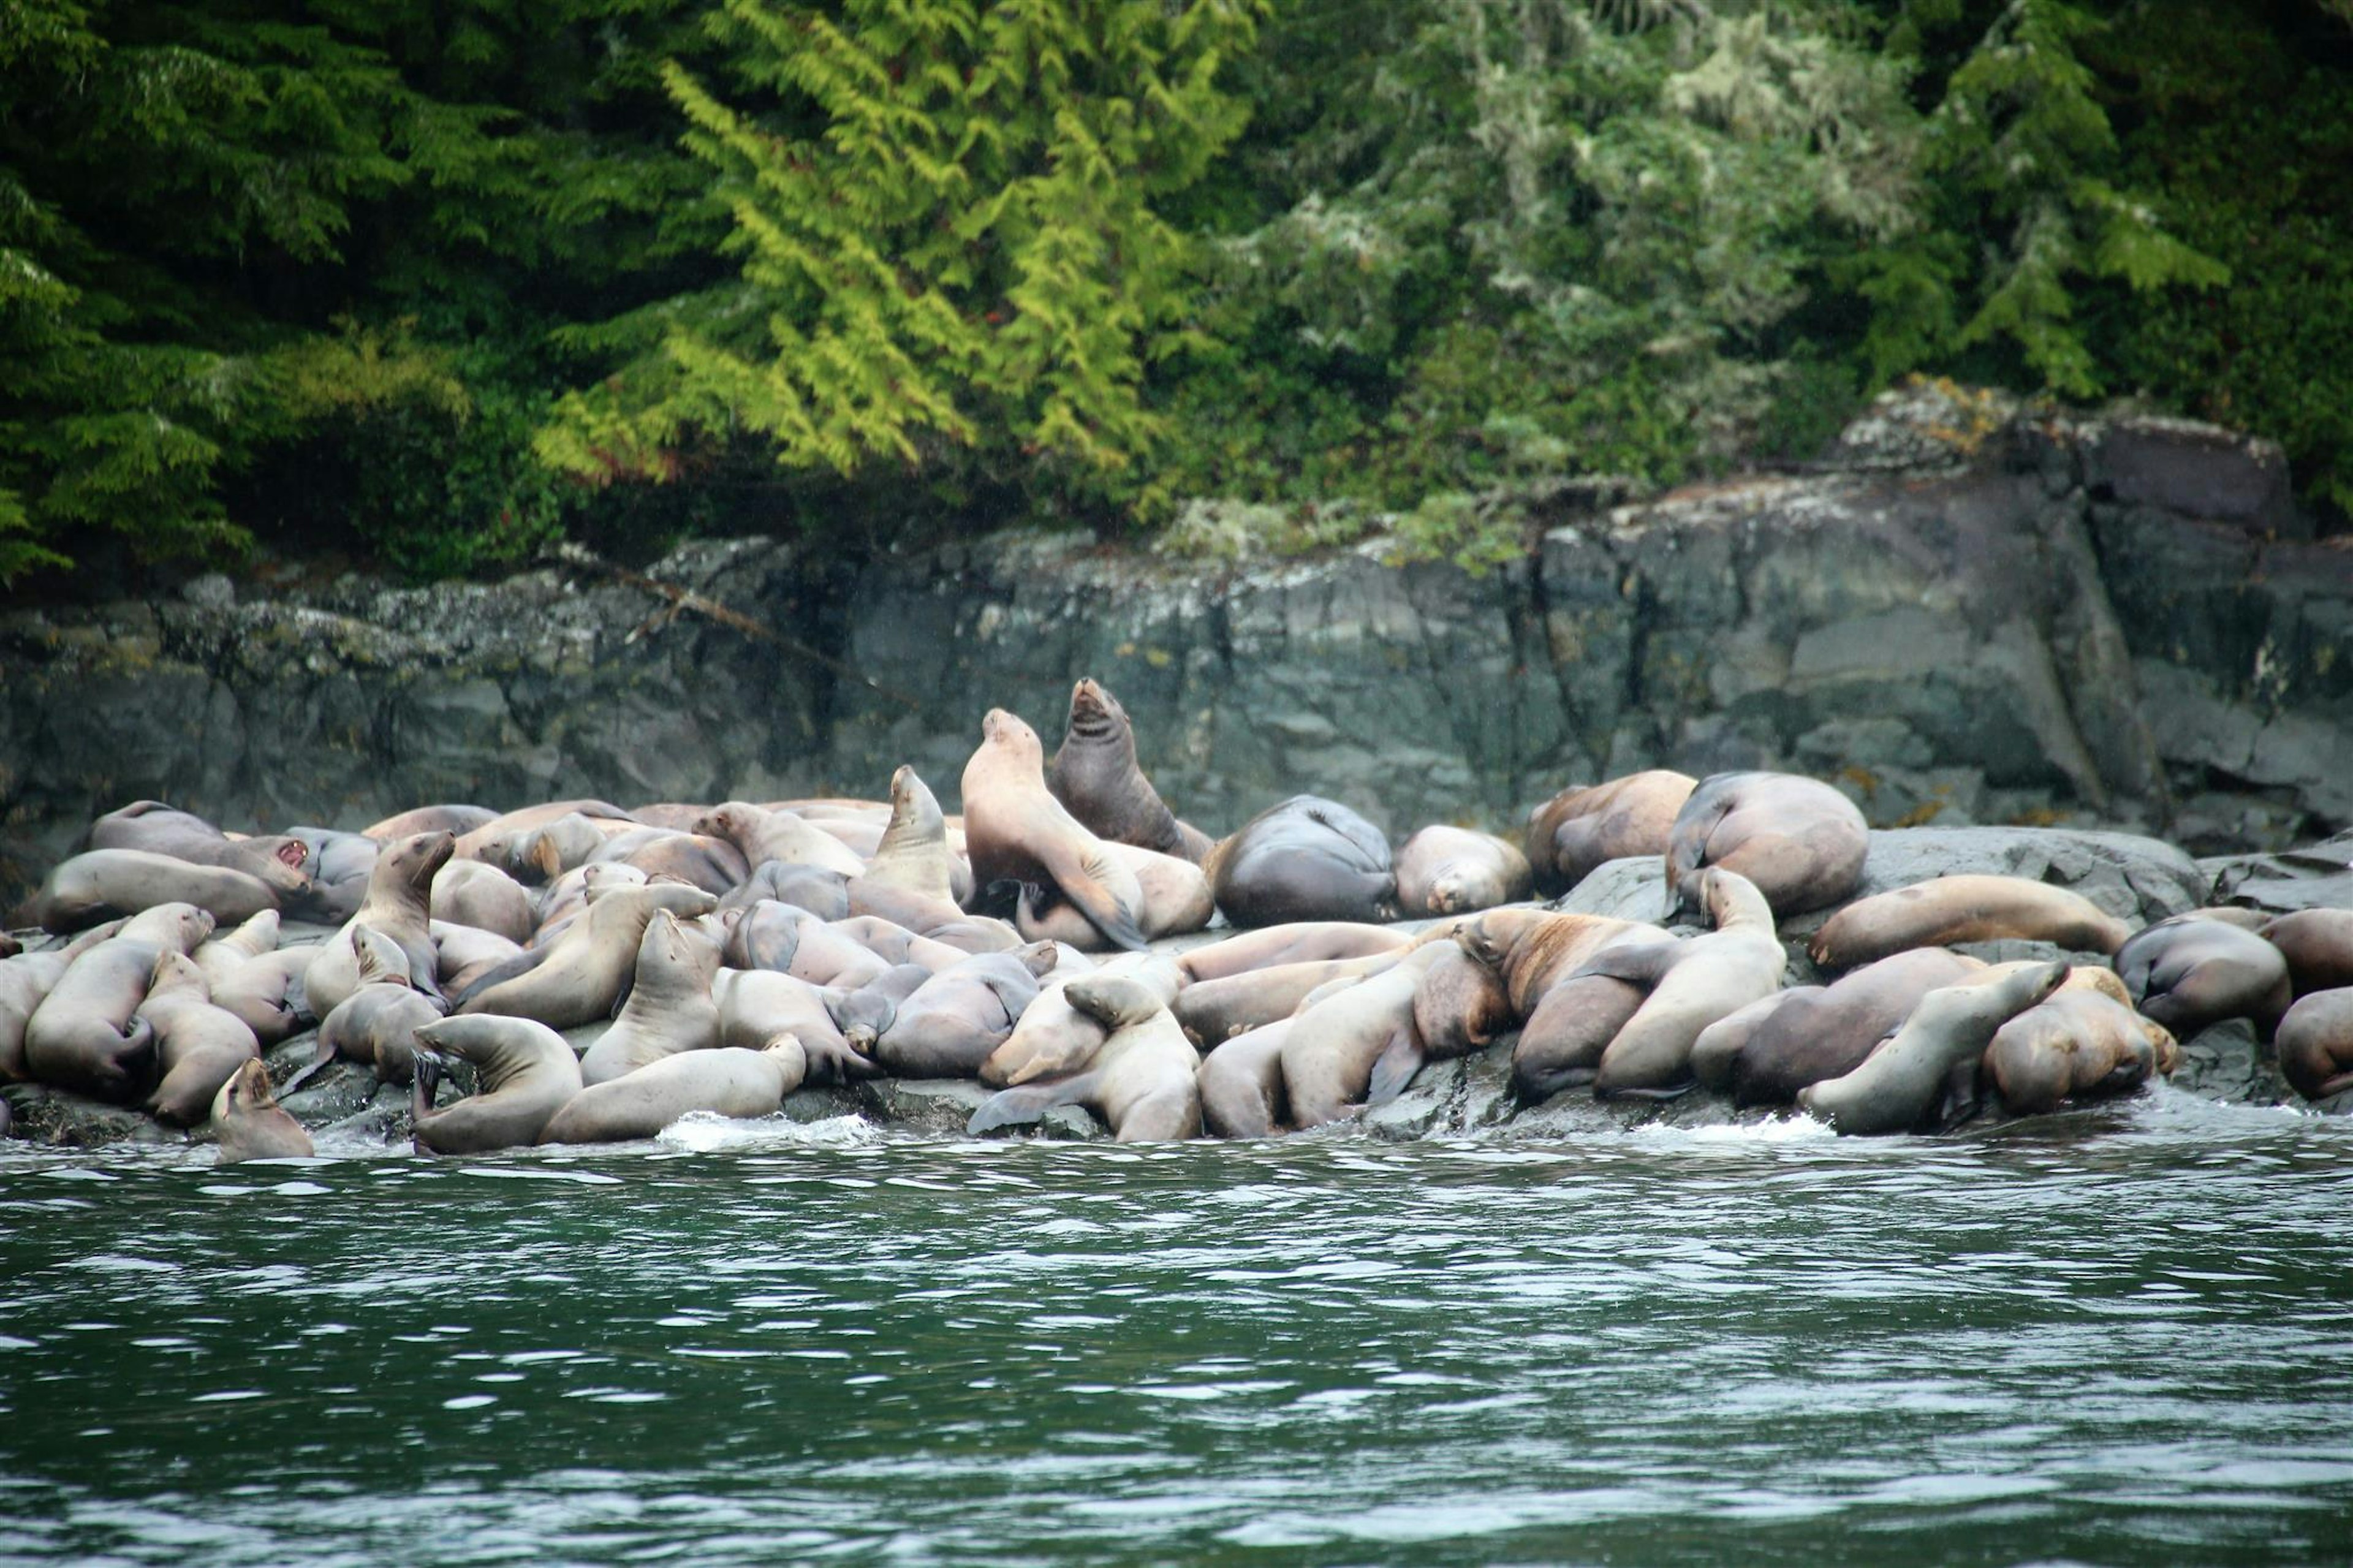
(1826, 1032)
(578, 978)
(86, 1035)
(790, 941)
(1444, 871)
(267, 993)
(494, 840)
(339, 866)
(1694, 982)
(1355, 1047)
(1095, 775)
(1215, 1010)
(463, 954)
(1052, 1036)
(948, 1028)
(399, 906)
(2315, 1042)
(760, 836)
(1572, 835)
(1016, 831)
(1719, 1045)
(1800, 842)
(1898, 1084)
(1532, 951)
(526, 1073)
(2318, 945)
(275, 860)
(2188, 971)
(249, 1123)
(375, 1025)
(678, 815)
(1299, 943)
(24, 979)
(1568, 1018)
(1561, 1043)
(835, 1026)
(228, 950)
(913, 854)
(1176, 901)
(894, 943)
(1140, 1082)
(823, 893)
(700, 860)
(536, 856)
(669, 1007)
(566, 897)
(100, 884)
(725, 1080)
(1241, 1088)
(1460, 1006)
(197, 1045)
(2083, 1041)
(1304, 859)
(478, 894)
(457, 820)
(1951, 910)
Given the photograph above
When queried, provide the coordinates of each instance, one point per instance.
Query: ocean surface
(2122, 1337)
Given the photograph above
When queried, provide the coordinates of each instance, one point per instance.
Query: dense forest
(433, 283)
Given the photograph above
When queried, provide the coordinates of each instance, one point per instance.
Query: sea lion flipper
(1395, 1068)
(1636, 963)
(1090, 893)
(1025, 1105)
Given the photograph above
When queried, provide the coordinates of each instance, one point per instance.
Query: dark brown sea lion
(1140, 1082)
(1460, 1006)
(725, 1082)
(578, 977)
(1898, 1084)
(948, 1027)
(1017, 832)
(1305, 860)
(197, 1045)
(2318, 945)
(2082, 1042)
(1561, 1043)
(669, 1007)
(450, 819)
(1826, 1032)
(524, 1071)
(100, 884)
(1300, 942)
(2315, 1042)
(1444, 871)
(1095, 775)
(1720, 1044)
(275, 860)
(1801, 842)
(399, 906)
(1950, 910)
(1572, 835)
(249, 1123)
(1692, 983)
(2186, 973)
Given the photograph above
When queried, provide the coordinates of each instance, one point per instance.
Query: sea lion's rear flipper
(1023, 1106)
(1395, 1068)
(520, 965)
(1089, 892)
(1674, 1092)
(309, 1070)
(1643, 962)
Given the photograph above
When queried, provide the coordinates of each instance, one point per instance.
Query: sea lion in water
(578, 977)
(1825, 1032)
(1358, 1047)
(2318, 945)
(1800, 842)
(1897, 1084)
(87, 1035)
(275, 860)
(1016, 831)
(1949, 909)
(1305, 860)
(2315, 1042)
(1298, 943)
(1241, 1088)
(669, 1007)
(1052, 1036)
(2188, 971)
(1444, 871)
(399, 906)
(2082, 1041)
(478, 894)
(100, 884)
(724, 1081)
(762, 836)
(1175, 902)
(1572, 835)
(1140, 1082)
(526, 1073)
(1692, 983)
(948, 1028)
(250, 1124)
(1094, 774)
(197, 1045)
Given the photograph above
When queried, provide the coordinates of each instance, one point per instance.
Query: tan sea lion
(678, 816)
(525, 1072)
(913, 854)
(24, 979)
(463, 954)
(763, 835)
(86, 1036)
(456, 820)
(791, 940)
(375, 1025)
(1176, 902)
(1305, 859)
(1140, 1082)
(1016, 831)
(1460, 1006)
(963, 1014)
(1568, 1018)
(1241, 1088)
(894, 943)
(1951, 910)
(1356, 1047)
(669, 1007)
(701, 861)
(2315, 1042)
(2083, 1041)
(1444, 871)
(1095, 775)
(275, 860)
(836, 1027)
(1692, 983)
(1571, 836)
(537, 855)
(724, 1081)
(1561, 1043)
(2188, 971)
(249, 1123)
(2318, 945)
(1825, 1032)
(228, 950)
(1212, 1010)
(399, 906)
(1534, 950)
(1054, 1038)
(823, 893)
(1298, 943)
(267, 993)
(100, 884)
(1719, 1045)
(197, 1045)
(578, 977)
(1800, 842)
(478, 894)
(494, 839)
(1898, 1084)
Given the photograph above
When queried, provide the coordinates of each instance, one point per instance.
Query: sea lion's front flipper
(1395, 1068)
(1025, 1105)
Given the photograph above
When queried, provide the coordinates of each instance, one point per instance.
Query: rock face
(1969, 615)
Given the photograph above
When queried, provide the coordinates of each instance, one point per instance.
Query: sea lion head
(176, 925)
(1094, 711)
(174, 971)
(1491, 937)
(1041, 957)
(416, 858)
(1007, 733)
(248, 1090)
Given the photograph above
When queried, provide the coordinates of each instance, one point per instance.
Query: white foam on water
(701, 1132)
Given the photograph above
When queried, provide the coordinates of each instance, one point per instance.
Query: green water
(2120, 1338)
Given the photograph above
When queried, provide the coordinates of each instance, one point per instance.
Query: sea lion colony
(732, 952)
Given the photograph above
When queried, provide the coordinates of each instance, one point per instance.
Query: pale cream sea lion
(526, 1074)
(1959, 909)
(1016, 831)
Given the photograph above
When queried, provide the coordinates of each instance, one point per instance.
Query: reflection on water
(2120, 1340)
